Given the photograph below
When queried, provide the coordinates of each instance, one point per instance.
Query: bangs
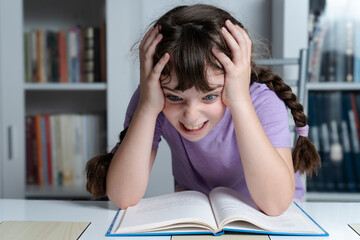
(189, 34)
(190, 60)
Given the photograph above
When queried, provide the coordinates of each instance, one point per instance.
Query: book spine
(30, 178)
(322, 100)
(54, 160)
(348, 158)
(40, 57)
(78, 151)
(357, 53)
(89, 65)
(349, 52)
(48, 148)
(59, 148)
(314, 138)
(44, 150)
(33, 56)
(67, 144)
(39, 150)
(62, 49)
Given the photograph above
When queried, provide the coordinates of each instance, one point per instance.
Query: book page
(227, 236)
(232, 209)
(170, 211)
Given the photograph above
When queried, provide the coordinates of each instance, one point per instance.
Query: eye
(173, 98)
(210, 97)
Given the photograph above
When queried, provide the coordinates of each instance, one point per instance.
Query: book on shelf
(71, 55)
(340, 171)
(357, 52)
(59, 145)
(334, 45)
(224, 210)
(346, 142)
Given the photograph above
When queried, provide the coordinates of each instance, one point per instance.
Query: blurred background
(68, 70)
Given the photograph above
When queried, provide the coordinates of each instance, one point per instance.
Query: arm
(130, 168)
(268, 171)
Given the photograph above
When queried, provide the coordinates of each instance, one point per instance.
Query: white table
(333, 217)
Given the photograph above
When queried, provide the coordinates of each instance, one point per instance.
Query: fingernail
(223, 29)
(228, 22)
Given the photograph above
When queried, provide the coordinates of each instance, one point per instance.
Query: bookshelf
(334, 81)
(20, 98)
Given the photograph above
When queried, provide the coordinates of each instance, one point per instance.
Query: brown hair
(189, 34)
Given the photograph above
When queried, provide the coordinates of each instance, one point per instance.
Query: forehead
(214, 78)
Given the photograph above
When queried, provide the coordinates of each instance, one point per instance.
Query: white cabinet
(12, 154)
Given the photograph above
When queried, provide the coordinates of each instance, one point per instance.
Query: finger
(240, 36)
(159, 67)
(234, 46)
(246, 37)
(223, 59)
(148, 56)
(146, 36)
(149, 37)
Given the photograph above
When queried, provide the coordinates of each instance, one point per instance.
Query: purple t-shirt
(215, 160)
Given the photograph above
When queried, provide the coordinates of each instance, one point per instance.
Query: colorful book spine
(40, 165)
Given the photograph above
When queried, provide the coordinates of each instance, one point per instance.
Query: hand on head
(237, 69)
(151, 94)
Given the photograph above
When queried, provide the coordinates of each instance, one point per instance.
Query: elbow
(275, 208)
(121, 202)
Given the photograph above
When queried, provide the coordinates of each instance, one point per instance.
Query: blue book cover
(224, 210)
(349, 173)
(311, 181)
(327, 170)
(357, 157)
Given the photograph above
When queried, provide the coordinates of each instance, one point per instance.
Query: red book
(48, 148)
(40, 169)
(353, 105)
(62, 50)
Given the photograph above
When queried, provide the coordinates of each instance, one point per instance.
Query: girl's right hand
(152, 98)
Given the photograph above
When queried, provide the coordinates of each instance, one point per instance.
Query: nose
(191, 113)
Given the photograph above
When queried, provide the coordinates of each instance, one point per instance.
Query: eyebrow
(217, 86)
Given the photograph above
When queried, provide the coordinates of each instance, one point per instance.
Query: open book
(192, 212)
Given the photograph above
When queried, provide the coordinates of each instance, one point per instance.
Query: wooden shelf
(332, 86)
(65, 86)
(332, 197)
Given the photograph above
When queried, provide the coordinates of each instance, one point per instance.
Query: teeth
(196, 127)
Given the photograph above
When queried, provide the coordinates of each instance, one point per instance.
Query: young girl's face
(194, 113)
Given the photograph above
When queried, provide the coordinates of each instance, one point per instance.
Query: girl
(223, 116)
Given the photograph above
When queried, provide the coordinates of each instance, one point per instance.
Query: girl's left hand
(237, 69)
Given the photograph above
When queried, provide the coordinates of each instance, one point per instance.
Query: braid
(96, 171)
(305, 156)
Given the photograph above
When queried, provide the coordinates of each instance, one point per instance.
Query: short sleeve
(130, 113)
(272, 113)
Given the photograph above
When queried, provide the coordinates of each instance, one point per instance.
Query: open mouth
(193, 129)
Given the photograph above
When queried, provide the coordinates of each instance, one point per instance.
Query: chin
(193, 138)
